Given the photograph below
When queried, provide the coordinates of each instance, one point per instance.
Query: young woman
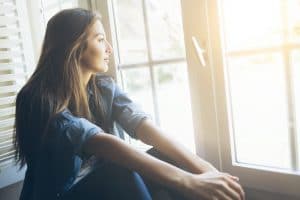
(65, 116)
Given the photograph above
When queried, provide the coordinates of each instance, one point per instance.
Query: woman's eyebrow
(99, 34)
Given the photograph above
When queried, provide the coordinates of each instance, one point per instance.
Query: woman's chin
(102, 69)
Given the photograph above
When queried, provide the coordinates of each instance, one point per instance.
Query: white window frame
(210, 101)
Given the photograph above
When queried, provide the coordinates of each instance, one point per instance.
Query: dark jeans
(113, 182)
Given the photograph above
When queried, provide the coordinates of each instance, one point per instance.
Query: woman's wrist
(182, 181)
(209, 168)
(202, 166)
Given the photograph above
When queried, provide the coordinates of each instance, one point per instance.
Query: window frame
(213, 108)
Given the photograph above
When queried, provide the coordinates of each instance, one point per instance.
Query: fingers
(233, 184)
(231, 176)
(221, 186)
(230, 188)
(226, 192)
(222, 195)
(237, 187)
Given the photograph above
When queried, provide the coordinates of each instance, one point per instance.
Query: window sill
(10, 174)
(268, 179)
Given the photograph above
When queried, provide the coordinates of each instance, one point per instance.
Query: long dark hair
(56, 83)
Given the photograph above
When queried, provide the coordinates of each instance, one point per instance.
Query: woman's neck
(86, 76)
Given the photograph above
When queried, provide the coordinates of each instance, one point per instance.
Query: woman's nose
(109, 48)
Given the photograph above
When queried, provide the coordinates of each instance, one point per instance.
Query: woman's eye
(101, 39)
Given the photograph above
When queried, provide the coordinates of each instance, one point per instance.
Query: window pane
(259, 108)
(138, 85)
(131, 31)
(51, 7)
(50, 3)
(174, 102)
(49, 12)
(294, 20)
(252, 24)
(165, 28)
(296, 90)
(69, 4)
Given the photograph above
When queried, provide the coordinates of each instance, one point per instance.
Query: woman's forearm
(193, 186)
(114, 149)
(152, 135)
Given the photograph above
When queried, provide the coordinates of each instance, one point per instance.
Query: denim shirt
(60, 162)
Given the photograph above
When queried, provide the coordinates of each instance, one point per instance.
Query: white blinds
(14, 62)
(16, 56)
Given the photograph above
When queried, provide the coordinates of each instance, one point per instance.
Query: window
(252, 50)
(150, 57)
(260, 70)
(16, 65)
(15, 61)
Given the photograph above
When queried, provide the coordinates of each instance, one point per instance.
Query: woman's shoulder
(64, 118)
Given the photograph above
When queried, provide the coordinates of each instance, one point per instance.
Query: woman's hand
(214, 186)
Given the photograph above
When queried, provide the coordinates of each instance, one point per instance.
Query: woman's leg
(110, 182)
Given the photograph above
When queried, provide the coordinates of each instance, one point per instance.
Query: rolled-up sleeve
(78, 132)
(127, 113)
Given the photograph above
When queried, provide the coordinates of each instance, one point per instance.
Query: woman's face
(95, 57)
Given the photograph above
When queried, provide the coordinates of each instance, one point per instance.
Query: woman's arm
(116, 150)
(154, 136)
(207, 185)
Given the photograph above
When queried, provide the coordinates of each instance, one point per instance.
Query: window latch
(199, 51)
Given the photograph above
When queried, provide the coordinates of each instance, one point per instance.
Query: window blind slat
(7, 8)
(9, 150)
(10, 54)
(6, 156)
(7, 111)
(7, 146)
(10, 2)
(7, 143)
(12, 77)
(10, 88)
(8, 20)
(12, 65)
(7, 123)
(7, 100)
(4, 32)
(6, 133)
(6, 43)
